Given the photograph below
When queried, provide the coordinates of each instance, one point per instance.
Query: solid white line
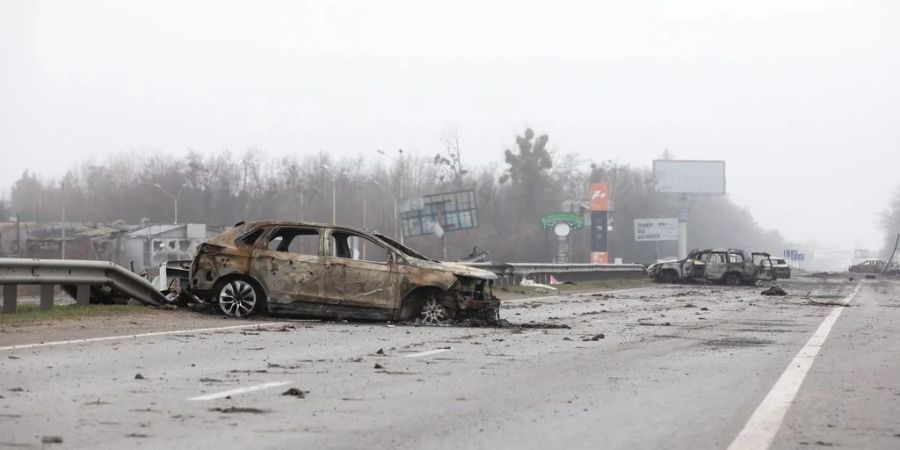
(427, 352)
(243, 390)
(765, 422)
(133, 336)
(531, 299)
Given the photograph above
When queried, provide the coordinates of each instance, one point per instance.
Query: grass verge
(32, 313)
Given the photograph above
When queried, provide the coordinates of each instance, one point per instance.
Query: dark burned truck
(337, 272)
(728, 266)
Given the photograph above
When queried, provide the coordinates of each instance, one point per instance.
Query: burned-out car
(338, 272)
(729, 266)
(875, 266)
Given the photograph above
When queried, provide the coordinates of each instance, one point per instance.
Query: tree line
(224, 188)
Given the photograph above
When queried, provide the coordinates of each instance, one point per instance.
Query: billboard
(655, 229)
(439, 213)
(674, 176)
(599, 197)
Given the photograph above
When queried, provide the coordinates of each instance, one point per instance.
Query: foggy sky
(800, 98)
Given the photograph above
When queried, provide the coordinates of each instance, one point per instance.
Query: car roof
(294, 223)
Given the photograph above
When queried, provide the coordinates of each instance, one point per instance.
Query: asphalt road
(686, 367)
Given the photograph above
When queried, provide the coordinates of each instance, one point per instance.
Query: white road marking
(534, 299)
(427, 352)
(765, 422)
(243, 390)
(134, 336)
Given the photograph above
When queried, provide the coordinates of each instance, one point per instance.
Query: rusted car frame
(331, 271)
(727, 266)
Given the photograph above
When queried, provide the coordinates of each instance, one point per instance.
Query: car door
(716, 266)
(695, 265)
(764, 266)
(359, 275)
(289, 265)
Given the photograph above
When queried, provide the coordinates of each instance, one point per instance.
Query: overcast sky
(801, 98)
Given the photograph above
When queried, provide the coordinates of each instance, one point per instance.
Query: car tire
(433, 312)
(732, 279)
(240, 297)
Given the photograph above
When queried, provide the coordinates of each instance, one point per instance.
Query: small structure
(146, 248)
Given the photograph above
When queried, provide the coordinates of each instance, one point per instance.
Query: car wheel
(239, 298)
(433, 312)
(732, 279)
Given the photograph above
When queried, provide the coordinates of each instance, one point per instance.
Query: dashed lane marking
(243, 390)
(427, 352)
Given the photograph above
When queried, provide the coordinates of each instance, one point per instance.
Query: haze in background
(801, 98)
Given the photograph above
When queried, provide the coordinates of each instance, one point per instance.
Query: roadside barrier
(102, 281)
(510, 274)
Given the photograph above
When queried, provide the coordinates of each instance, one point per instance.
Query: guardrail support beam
(83, 294)
(10, 293)
(46, 297)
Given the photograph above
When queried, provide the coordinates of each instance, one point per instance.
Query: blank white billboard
(689, 177)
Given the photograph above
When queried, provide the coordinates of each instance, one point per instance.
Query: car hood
(454, 268)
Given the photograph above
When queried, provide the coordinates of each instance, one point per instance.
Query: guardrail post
(46, 297)
(10, 291)
(82, 294)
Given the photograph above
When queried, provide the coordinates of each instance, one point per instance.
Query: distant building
(146, 248)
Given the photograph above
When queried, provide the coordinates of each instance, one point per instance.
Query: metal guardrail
(84, 279)
(512, 273)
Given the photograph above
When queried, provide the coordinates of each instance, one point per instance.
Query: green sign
(575, 221)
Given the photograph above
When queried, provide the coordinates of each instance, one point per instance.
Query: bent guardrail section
(86, 279)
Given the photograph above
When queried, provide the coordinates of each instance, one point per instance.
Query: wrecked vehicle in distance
(781, 268)
(335, 272)
(728, 266)
(875, 266)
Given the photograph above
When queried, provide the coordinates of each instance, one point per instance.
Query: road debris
(295, 392)
(138, 377)
(238, 410)
(774, 290)
(51, 439)
(378, 366)
(595, 337)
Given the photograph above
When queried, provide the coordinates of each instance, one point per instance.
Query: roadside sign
(656, 229)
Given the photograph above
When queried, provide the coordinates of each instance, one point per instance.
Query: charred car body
(335, 272)
(728, 266)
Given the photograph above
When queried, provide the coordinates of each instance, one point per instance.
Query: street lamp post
(399, 197)
(333, 193)
(376, 183)
(173, 197)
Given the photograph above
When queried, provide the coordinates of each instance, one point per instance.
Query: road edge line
(760, 430)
